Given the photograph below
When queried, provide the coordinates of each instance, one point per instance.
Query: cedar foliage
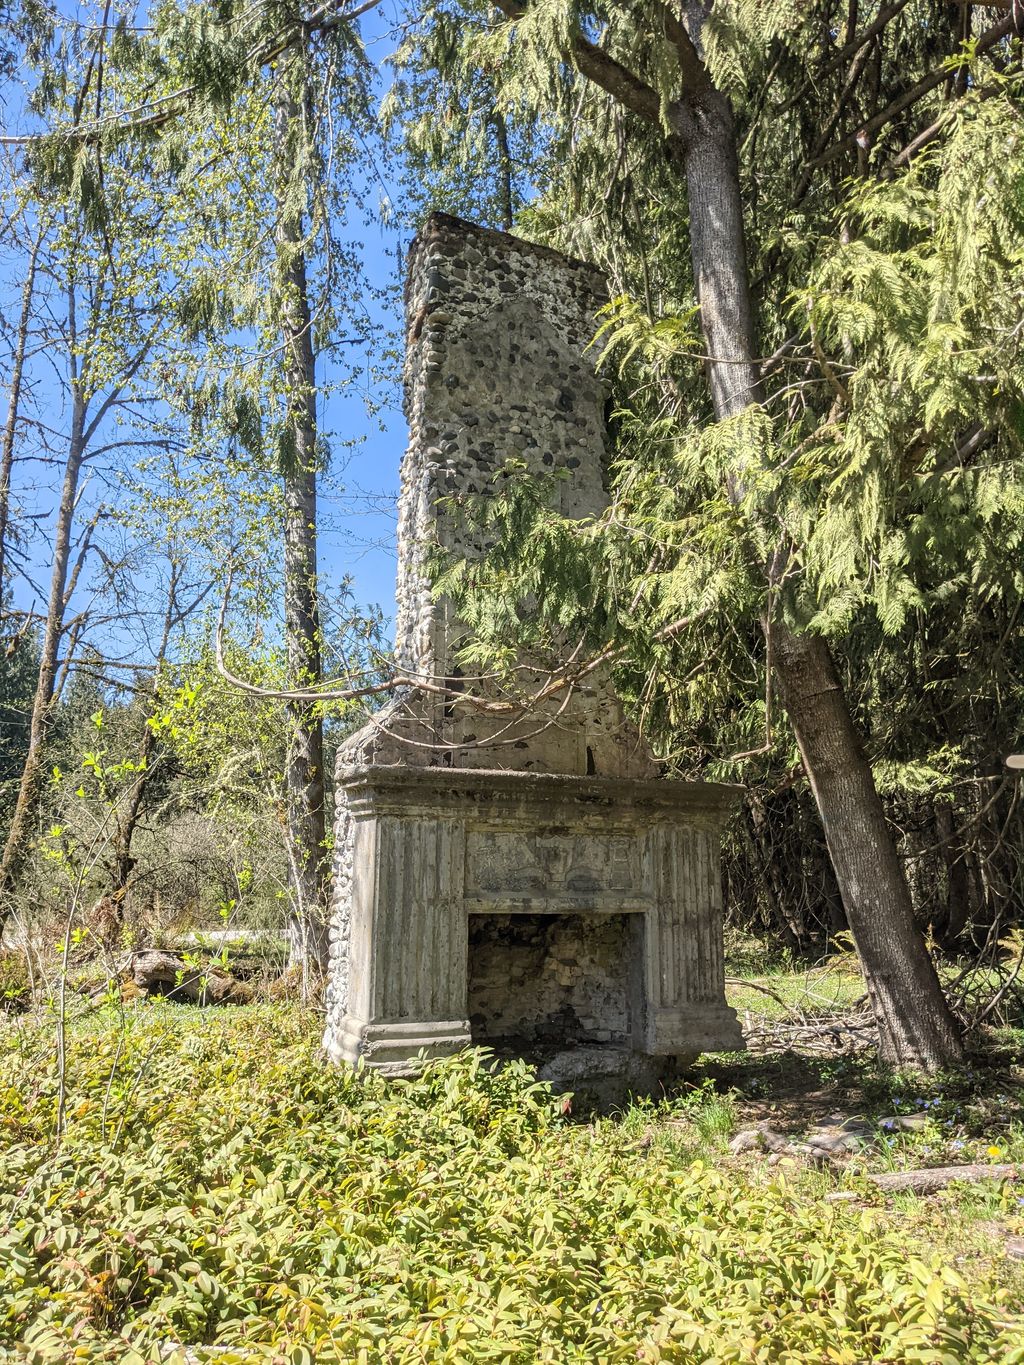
(882, 168)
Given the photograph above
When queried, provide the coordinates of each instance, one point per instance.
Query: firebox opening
(539, 983)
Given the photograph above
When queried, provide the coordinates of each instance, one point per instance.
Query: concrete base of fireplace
(429, 848)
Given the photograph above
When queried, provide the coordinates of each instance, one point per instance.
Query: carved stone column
(407, 934)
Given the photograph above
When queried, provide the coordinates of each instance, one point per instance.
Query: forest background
(195, 230)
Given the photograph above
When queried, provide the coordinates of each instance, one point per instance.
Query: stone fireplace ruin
(530, 884)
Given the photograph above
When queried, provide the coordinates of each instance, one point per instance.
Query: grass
(811, 992)
(975, 1116)
(219, 1194)
(780, 988)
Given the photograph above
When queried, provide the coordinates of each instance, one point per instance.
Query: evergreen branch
(156, 112)
(603, 69)
(836, 384)
(849, 49)
(971, 443)
(690, 64)
(930, 133)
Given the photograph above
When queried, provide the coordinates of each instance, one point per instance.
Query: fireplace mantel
(433, 846)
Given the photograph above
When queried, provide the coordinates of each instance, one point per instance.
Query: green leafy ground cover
(217, 1186)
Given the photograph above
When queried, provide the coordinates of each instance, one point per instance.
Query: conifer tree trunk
(304, 777)
(916, 1027)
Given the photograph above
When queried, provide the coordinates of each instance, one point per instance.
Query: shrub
(15, 986)
(217, 1185)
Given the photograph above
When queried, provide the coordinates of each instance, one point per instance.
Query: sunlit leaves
(219, 1184)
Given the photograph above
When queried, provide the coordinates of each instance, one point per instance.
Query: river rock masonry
(527, 884)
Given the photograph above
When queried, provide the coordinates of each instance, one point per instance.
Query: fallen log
(936, 1178)
(161, 973)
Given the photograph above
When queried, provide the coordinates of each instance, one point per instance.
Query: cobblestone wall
(537, 981)
(496, 370)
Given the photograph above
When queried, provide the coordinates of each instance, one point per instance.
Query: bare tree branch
(910, 97)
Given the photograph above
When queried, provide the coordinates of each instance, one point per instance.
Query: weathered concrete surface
(447, 815)
(437, 847)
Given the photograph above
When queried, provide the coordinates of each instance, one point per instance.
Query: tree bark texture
(13, 410)
(305, 763)
(706, 147)
(914, 1022)
(31, 784)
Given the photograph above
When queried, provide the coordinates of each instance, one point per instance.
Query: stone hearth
(530, 885)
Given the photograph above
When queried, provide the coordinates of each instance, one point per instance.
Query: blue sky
(358, 496)
(357, 520)
(358, 527)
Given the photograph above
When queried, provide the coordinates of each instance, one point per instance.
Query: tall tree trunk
(914, 1022)
(915, 1025)
(14, 408)
(31, 785)
(305, 768)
